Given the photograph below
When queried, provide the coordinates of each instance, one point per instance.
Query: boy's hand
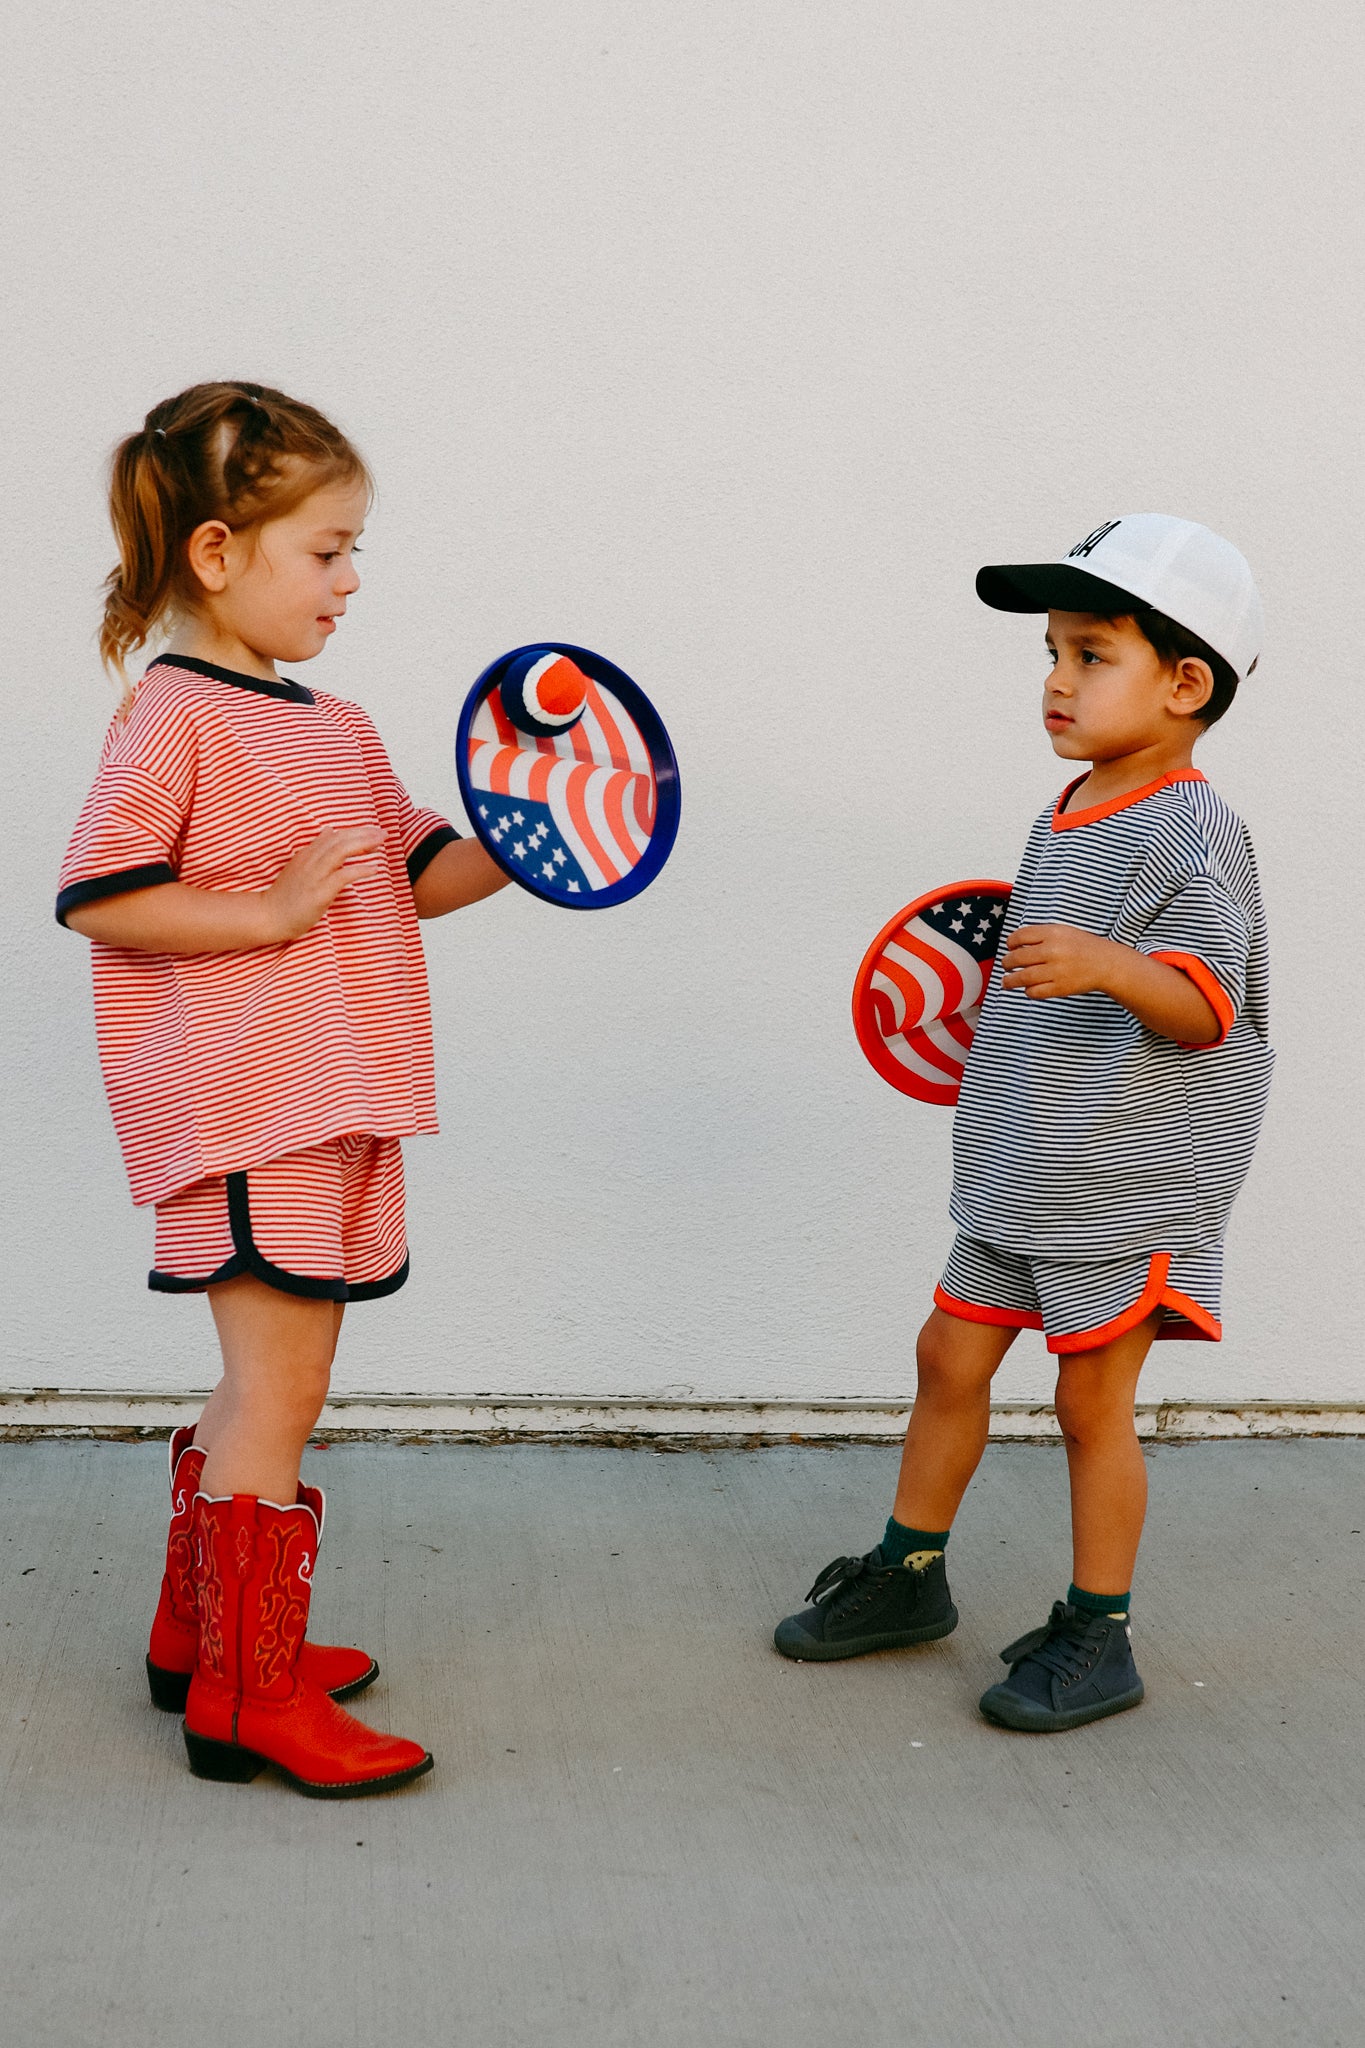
(1046, 960)
(307, 886)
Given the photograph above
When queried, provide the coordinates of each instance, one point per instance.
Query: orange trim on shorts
(1156, 1294)
(1000, 1318)
(1203, 1325)
(1211, 989)
(1195, 1321)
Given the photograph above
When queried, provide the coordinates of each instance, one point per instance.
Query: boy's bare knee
(946, 1360)
(933, 1356)
(1091, 1406)
(1073, 1423)
(1075, 1408)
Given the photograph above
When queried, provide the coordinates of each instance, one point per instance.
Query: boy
(1108, 1111)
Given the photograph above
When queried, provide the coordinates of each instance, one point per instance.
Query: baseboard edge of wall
(129, 1415)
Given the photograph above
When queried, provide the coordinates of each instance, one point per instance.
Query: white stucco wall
(729, 339)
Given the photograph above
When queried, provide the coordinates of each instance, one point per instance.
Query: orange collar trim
(1118, 803)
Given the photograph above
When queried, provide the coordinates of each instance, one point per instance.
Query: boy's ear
(206, 553)
(1191, 686)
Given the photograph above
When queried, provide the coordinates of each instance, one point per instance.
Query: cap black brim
(1053, 587)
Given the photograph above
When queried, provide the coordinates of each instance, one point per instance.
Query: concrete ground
(646, 1828)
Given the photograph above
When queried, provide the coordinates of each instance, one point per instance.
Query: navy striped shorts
(1083, 1305)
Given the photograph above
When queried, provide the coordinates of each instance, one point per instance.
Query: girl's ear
(1191, 686)
(207, 553)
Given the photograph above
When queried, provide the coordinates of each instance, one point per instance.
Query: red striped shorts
(327, 1223)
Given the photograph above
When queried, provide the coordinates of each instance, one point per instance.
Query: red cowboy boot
(175, 1628)
(249, 1704)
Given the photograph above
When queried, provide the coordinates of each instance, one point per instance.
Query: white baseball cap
(1168, 565)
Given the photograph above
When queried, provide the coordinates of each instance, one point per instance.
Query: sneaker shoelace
(846, 1582)
(1067, 1644)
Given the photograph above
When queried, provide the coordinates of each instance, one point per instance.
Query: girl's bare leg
(277, 1361)
(219, 1401)
(1096, 1391)
(957, 1361)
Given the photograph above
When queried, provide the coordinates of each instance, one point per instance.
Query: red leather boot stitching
(249, 1702)
(337, 1670)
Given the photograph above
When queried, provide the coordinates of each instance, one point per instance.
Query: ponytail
(237, 452)
(142, 510)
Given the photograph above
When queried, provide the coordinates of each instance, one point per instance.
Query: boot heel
(223, 1761)
(169, 1689)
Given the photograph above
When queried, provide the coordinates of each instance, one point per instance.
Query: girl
(251, 872)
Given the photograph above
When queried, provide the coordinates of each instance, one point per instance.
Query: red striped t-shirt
(215, 1062)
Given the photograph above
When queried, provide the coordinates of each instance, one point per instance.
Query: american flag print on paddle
(920, 987)
(584, 816)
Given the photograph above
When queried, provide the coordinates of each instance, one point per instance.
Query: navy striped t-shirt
(1079, 1133)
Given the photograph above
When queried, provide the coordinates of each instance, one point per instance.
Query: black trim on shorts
(123, 883)
(248, 1258)
(255, 1261)
(426, 850)
(172, 1283)
(371, 1290)
(291, 692)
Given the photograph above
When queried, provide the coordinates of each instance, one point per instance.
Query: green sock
(899, 1543)
(1112, 1605)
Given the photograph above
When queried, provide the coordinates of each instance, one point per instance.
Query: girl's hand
(1046, 960)
(307, 886)
(175, 918)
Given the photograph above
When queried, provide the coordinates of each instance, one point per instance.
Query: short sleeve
(1204, 931)
(427, 833)
(128, 834)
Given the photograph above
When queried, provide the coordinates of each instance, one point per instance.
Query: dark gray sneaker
(862, 1604)
(1076, 1668)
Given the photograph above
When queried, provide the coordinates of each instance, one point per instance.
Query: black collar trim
(292, 693)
